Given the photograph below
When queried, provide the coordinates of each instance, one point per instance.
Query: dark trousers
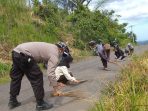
(119, 53)
(131, 51)
(23, 64)
(104, 62)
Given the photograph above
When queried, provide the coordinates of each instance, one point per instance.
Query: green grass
(4, 80)
(4, 68)
(19, 25)
(4, 72)
(130, 91)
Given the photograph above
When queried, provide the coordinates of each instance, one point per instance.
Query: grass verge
(4, 71)
(130, 91)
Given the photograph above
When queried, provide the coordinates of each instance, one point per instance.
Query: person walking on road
(25, 58)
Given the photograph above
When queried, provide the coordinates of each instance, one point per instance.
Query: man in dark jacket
(119, 53)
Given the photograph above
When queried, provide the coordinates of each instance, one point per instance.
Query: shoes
(13, 104)
(42, 105)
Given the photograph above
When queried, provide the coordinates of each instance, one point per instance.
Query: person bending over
(102, 50)
(25, 58)
(63, 75)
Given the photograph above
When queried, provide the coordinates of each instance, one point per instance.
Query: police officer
(25, 58)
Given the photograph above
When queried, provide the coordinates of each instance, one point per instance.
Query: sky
(133, 12)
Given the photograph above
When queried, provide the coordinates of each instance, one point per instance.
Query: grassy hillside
(19, 25)
(130, 92)
(47, 22)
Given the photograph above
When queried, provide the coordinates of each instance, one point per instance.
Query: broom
(73, 93)
(116, 63)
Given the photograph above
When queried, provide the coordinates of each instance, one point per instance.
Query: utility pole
(131, 26)
(30, 3)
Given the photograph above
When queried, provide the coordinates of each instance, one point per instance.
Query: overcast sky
(133, 12)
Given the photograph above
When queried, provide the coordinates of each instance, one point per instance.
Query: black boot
(13, 103)
(42, 105)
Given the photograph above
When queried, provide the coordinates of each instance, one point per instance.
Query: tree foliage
(97, 25)
(55, 16)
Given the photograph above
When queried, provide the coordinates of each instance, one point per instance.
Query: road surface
(89, 69)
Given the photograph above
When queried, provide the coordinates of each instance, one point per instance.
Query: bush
(79, 44)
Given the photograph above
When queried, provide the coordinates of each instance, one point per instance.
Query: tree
(100, 3)
(71, 5)
(35, 3)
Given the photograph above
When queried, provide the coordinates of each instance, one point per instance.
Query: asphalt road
(89, 92)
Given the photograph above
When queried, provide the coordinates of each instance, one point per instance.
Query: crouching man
(63, 75)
